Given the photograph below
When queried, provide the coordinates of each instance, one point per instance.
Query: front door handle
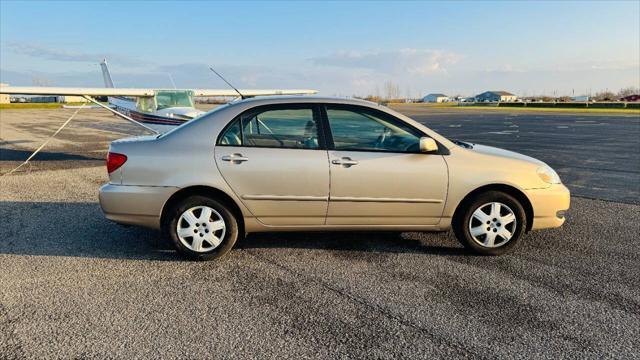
(345, 161)
(235, 158)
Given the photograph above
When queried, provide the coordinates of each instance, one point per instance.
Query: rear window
(276, 128)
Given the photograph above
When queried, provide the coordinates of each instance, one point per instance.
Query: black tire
(229, 239)
(464, 216)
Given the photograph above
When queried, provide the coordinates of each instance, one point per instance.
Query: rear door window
(293, 128)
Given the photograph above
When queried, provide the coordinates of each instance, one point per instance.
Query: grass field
(39, 105)
(395, 105)
(454, 106)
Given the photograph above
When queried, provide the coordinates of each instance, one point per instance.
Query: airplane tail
(106, 75)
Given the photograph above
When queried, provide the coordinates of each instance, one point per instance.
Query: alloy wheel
(492, 225)
(201, 228)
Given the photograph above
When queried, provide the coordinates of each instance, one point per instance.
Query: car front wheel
(201, 228)
(491, 223)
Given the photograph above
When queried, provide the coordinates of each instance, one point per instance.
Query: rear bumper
(549, 206)
(134, 205)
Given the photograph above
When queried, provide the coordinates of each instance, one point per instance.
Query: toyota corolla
(321, 164)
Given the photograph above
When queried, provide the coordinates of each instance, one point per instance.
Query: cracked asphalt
(74, 285)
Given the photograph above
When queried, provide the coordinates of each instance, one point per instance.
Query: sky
(339, 48)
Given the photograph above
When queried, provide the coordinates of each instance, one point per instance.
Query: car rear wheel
(491, 223)
(201, 228)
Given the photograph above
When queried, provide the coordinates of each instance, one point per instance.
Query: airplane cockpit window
(146, 104)
(169, 98)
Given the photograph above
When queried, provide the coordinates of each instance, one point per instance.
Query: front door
(273, 159)
(378, 175)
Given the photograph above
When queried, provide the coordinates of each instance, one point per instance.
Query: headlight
(548, 175)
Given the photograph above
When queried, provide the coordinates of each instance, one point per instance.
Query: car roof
(298, 99)
(232, 109)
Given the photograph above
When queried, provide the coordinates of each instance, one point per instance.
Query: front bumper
(549, 206)
(134, 205)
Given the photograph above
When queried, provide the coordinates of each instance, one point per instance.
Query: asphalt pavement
(74, 285)
(596, 155)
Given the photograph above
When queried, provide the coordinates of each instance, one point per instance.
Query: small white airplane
(158, 110)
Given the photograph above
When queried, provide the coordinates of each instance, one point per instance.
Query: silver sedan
(319, 164)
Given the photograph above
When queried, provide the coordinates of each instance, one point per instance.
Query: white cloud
(60, 54)
(421, 62)
(345, 73)
(568, 66)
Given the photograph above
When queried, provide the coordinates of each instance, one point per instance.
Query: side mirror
(428, 145)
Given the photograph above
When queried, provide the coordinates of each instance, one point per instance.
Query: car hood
(490, 150)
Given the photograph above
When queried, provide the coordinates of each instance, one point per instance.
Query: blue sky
(340, 48)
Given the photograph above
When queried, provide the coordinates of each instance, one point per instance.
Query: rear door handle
(235, 158)
(345, 161)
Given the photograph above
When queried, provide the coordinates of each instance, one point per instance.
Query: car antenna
(228, 83)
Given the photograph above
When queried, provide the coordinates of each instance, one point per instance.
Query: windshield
(174, 98)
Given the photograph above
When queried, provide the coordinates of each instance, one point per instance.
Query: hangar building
(435, 98)
(4, 98)
(496, 96)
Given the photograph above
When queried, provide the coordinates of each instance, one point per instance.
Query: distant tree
(408, 94)
(563, 99)
(391, 91)
(373, 98)
(628, 91)
(604, 96)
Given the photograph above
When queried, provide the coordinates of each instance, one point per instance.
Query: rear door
(275, 160)
(378, 175)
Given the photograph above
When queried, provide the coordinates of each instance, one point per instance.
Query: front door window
(364, 130)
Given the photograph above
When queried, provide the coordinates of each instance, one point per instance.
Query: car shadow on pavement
(74, 229)
(81, 230)
(361, 241)
(22, 155)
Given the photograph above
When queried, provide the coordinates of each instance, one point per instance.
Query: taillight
(114, 161)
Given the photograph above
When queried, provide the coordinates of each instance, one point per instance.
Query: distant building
(495, 96)
(72, 99)
(43, 99)
(435, 98)
(4, 98)
(634, 97)
(581, 98)
(58, 99)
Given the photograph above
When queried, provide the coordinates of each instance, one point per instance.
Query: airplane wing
(251, 92)
(37, 90)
